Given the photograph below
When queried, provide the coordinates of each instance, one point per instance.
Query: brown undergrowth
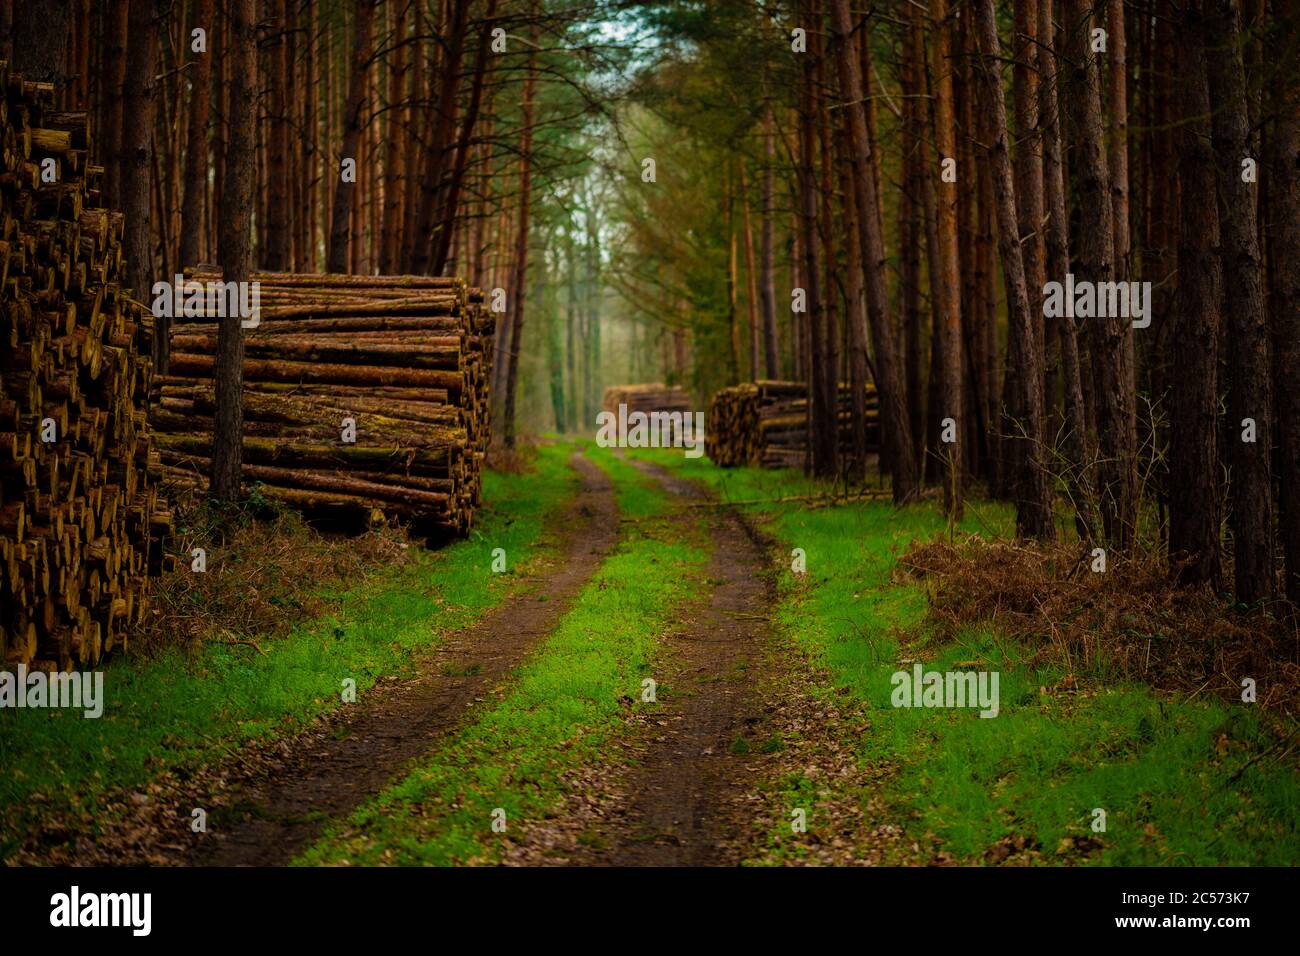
(267, 568)
(1129, 621)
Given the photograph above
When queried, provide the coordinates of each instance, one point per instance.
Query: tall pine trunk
(1074, 436)
(341, 225)
(137, 152)
(896, 429)
(1110, 339)
(1033, 489)
(767, 284)
(1194, 405)
(946, 272)
(1249, 394)
(234, 248)
(1286, 316)
(521, 253)
(196, 146)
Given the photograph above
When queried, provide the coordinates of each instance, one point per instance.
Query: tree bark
(947, 270)
(1073, 439)
(234, 248)
(751, 292)
(137, 152)
(896, 429)
(855, 316)
(40, 39)
(113, 59)
(1034, 490)
(340, 222)
(768, 282)
(1194, 406)
(811, 249)
(1286, 316)
(1249, 394)
(276, 256)
(521, 251)
(196, 148)
(443, 244)
(438, 146)
(1110, 342)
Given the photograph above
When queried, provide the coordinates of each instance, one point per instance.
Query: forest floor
(652, 681)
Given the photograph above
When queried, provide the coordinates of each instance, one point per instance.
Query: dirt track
(689, 801)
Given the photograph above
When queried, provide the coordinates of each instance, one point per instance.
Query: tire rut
(690, 797)
(325, 773)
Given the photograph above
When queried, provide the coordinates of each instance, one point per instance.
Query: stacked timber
(647, 398)
(765, 424)
(364, 395)
(81, 522)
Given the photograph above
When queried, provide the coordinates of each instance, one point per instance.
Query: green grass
(558, 713)
(184, 709)
(1167, 770)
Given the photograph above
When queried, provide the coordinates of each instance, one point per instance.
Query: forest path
(277, 806)
(689, 800)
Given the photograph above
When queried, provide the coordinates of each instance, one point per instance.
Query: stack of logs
(81, 523)
(402, 360)
(765, 424)
(655, 397)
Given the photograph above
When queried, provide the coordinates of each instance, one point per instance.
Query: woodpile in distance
(647, 398)
(81, 522)
(404, 359)
(765, 424)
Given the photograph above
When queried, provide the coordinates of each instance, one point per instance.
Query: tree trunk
(276, 256)
(1286, 313)
(1110, 342)
(395, 184)
(1117, 75)
(1073, 439)
(855, 316)
(896, 429)
(196, 147)
(1194, 405)
(767, 255)
(521, 251)
(828, 432)
(947, 271)
(137, 152)
(1249, 394)
(235, 250)
(341, 222)
(811, 249)
(40, 39)
(751, 292)
(438, 146)
(1034, 490)
(113, 58)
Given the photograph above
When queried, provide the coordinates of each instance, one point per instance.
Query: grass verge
(1181, 779)
(190, 706)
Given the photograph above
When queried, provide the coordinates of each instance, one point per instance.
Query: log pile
(765, 424)
(405, 359)
(647, 398)
(81, 522)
